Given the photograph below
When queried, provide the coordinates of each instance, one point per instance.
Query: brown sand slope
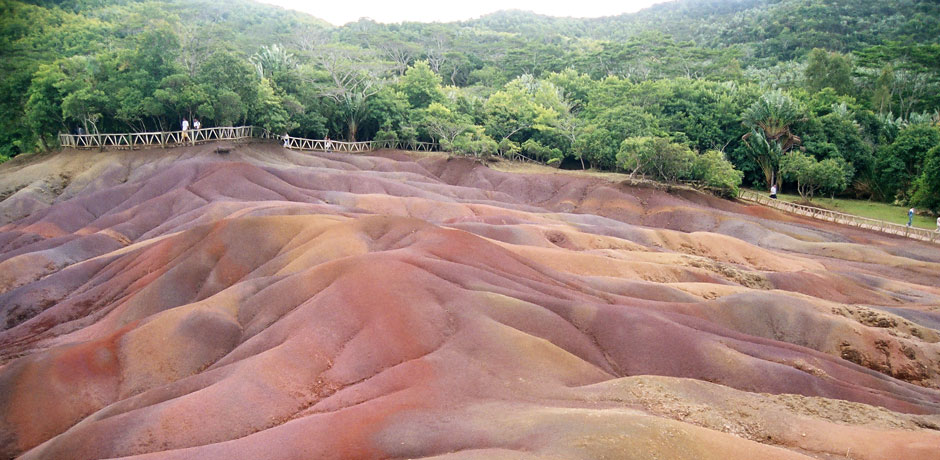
(274, 304)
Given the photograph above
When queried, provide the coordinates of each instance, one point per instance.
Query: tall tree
(354, 77)
(829, 70)
(271, 60)
(768, 122)
(926, 190)
(421, 85)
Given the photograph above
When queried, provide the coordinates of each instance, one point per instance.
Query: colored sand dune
(274, 304)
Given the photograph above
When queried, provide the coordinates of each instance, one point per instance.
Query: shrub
(716, 171)
(535, 150)
(926, 190)
(508, 148)
(811, 175)
(474, 142)
(656, 157)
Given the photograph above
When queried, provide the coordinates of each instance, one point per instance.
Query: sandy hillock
(273, 304)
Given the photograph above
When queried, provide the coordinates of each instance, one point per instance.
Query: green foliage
(704, 114)
(421, 85)
(829, 70)
(522, 108)
(387, 110)
(383, 135)
(535, 150)
(837, 135)
(768, 121)
(901, 77)
(269, 110)
(812, 175)
(443, 124)
(926, 190)
(901, 162)
(474, 142)
(656, 157)
(716, 171)
(272, 61)
(231, 86)
(508, 148)
(43, 108)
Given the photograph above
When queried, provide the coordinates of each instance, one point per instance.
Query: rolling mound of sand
(274, 304)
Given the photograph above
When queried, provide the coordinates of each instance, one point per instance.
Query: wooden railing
(922, 234)
(161, 139)
(202, 135)
(325, 145)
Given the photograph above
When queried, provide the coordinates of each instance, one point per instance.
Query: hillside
(859, 83)
(268, 303)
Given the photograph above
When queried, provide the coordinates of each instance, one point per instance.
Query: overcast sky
(340, 12)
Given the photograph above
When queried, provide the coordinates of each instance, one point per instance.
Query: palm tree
(270, 60)
(769, 137)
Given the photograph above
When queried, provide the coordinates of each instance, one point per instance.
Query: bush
(900, 163)
(475, 143)
(716, 171)
(811, 175)
(535, 150)
(408, 134)
(926, 190)
(656, 157)
(508, 148)
(383, 135)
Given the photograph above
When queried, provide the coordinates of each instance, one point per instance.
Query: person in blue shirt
(910, 217)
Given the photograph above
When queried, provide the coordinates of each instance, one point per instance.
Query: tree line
(672, 97)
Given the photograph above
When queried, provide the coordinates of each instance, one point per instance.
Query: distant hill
(778, 29)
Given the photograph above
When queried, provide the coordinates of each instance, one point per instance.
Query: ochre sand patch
(276, 304)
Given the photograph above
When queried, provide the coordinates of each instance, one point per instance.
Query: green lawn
(864, 208)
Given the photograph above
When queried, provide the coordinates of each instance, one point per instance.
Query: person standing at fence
(938, 224)
(773, 191)
(185, 135)
(329, 144)
(196, 126)
(910, 217)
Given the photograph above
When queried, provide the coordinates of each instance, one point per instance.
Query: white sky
(339, 12)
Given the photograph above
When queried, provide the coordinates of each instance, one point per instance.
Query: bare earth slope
(274, 304)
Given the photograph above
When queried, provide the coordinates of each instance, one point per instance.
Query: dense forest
(835, 97)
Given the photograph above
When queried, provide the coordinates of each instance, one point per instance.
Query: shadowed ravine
(275, 304)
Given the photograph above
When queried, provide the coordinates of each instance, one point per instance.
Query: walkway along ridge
(921, 234)
(169, 139)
